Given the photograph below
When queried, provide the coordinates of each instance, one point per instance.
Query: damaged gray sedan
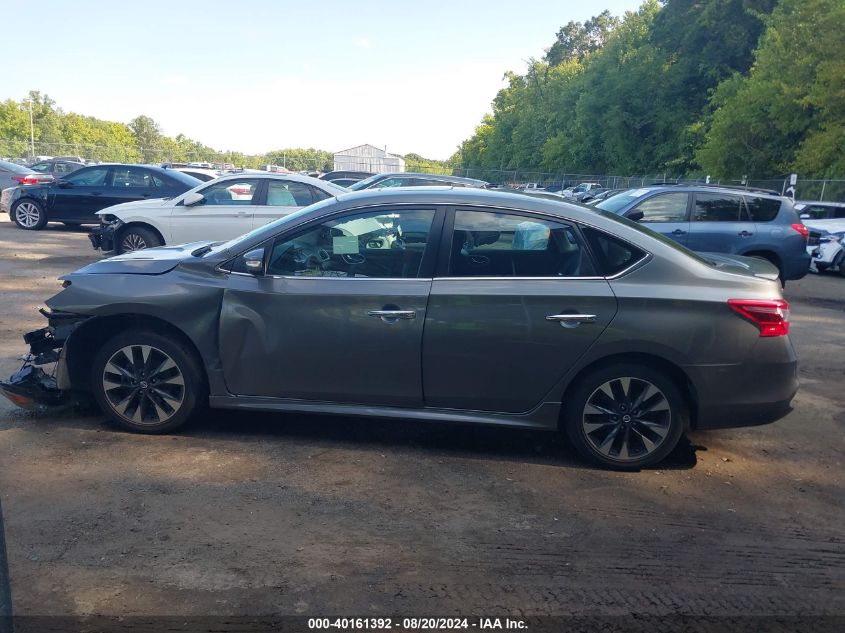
(451, 305)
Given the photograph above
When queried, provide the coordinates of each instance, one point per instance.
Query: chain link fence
(830, 189)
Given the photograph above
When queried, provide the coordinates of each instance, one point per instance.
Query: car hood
(831, 226)
(136, 205)
(737, 264)
(151, 261)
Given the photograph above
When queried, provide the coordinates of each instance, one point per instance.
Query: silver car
(454, 305)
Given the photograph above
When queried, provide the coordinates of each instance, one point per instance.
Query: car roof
(272, 175)
(417, 174)
(819, 203)
(701, 187)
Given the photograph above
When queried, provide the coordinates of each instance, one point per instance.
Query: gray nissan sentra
(452, 305)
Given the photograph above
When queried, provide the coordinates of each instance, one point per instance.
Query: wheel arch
(765, 253)
(85, 342)
(673, 371)
(143, 224)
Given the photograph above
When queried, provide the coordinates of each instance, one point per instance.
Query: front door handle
(391, 316)
(572, 320)
(679, 232)
(745, 234)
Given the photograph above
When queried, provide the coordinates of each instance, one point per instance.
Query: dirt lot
(272, 514)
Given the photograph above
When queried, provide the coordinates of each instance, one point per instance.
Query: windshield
(647, 231)
(621, 200)
(363, 184)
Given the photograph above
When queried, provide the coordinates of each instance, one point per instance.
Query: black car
(409, 179)
(75, 198)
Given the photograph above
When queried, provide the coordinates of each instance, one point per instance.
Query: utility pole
(31, 131)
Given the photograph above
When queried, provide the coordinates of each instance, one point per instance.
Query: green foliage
(788, 113)
(302, 159)
(629, 95)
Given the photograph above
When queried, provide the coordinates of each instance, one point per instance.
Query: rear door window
(718, 207)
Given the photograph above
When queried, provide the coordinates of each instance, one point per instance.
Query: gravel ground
(246, 514)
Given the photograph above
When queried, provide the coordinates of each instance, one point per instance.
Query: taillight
(803, 230)
(770, 317)
(26, 180)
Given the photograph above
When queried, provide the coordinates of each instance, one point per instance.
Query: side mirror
(63, 184)
(193, 198)
(636, 216)
(805, 216)
(254, 261)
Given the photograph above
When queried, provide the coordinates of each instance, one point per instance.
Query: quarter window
(763, 209)
(666, 207)
(717, 207)
(386, 244)
(230, 192)
(612, 254)
(489, 244)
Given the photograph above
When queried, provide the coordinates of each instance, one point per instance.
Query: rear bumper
(755, 392)
(796, 267)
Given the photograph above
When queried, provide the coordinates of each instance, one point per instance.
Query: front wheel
(147, 382)
(625, 416)
(137, 238)
(29, 215)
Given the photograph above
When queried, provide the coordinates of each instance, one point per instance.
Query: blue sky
(416, 77)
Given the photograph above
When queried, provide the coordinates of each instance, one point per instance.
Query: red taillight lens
(26, 180)
(770, 317)
(803, 230)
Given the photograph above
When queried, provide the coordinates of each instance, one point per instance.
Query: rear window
(762, 209)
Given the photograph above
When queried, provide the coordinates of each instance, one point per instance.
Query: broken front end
(43, 380)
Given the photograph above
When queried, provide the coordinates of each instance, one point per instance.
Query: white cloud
(175, 80)
(363, 42)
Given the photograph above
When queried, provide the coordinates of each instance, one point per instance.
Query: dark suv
(721, 220)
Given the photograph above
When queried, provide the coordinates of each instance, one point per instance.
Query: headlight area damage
(102, 238)
(31, 385)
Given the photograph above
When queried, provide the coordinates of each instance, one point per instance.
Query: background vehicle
(820, 210)
(721, 220)
(76, 198)
(218, 210)
(409, 179)
(56, 167)
(602, 195)
(343, 182)
(203, 175)
(353, 176)
(827, 244)
(13, 175)
(448, 285)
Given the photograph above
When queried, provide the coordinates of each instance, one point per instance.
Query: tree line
(720, 87)
(57, 132)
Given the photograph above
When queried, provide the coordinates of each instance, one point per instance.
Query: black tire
(152, 401)
(136, 238)
(587, 428)
(29, 215)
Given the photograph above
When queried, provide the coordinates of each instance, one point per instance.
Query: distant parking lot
(284, 514)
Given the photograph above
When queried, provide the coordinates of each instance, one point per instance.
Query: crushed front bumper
(103, 237)
(31, 385)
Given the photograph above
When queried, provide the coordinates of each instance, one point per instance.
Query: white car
(221, 209)
(827, 245)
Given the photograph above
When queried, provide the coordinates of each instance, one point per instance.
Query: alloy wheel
(27, 214)
(143, 385)
(132, 242)
(626, 419)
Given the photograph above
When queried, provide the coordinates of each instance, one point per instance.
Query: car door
(76, 197)
(225, 212)
(720, 223)
(516, 302)
(339, 314)
(281, 198)
(666, 213)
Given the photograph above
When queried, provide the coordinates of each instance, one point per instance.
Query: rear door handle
(745, 234)
(679, 232)
(572, 320)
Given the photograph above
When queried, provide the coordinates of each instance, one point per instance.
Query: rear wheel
(29, 215)
(137, 238)
(625, 416)
(147, 382)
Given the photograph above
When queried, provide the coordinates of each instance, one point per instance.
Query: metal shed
(368, 158)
